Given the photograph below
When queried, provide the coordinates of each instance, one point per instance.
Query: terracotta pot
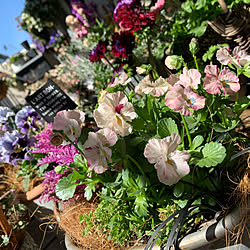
(35, 192)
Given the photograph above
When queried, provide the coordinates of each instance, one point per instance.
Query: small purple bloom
(27, 118)
(15, 147)
(5, 113)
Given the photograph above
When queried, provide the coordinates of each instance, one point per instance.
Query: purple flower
(27, 118)
(15, 147)
(5, 113)
(50, 181)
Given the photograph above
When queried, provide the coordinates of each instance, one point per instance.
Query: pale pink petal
(173, 79)
(193, 100)
(172, 141)
(77, 115)
(240, 56)
(71, 127)
(171, 171)
(107, 136)
(96, 154)
(223, 55)
(113, 112)
(174, 99)
(212, 70)
(158, 6)
(210, 82)
(190, 78)
(157, 88)
(122, 79)
(155, 149)
(227, 78)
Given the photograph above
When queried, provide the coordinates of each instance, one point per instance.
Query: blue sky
(9, 34)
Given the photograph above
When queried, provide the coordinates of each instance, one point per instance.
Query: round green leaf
(213, 154)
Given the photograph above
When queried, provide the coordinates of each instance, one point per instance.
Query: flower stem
(136, 163)
(110, 64)
(196, 63)
(75, 145)
(187, 130)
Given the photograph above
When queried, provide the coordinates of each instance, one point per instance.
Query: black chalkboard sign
(50, 99)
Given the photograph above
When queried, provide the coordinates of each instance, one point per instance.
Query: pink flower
(170, 164)
(224, 80)
(190, 78)
(115, 112)
(238, 57)
(180, 100)
(157, 88)
(96, 149)
(70, 122)
(173, 79)
(159, 5)
(122, 79)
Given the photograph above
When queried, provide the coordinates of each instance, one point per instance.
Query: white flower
(170, 164)
(115, 112)
(157, 88)
(96, 149)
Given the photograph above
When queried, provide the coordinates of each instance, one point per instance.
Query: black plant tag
(50, 99)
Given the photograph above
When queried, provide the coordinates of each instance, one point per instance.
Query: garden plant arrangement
(161, 148)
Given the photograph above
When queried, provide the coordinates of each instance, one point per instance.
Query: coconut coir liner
(70, 223)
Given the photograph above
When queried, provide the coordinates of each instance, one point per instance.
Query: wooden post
(4, 224)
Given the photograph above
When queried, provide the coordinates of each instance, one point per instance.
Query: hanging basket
(233, 24)
(67, 217)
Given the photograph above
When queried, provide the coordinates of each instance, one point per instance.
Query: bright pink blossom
(156, 88)
(115, 112)
(215, 81)
(181, 99)
(190, 78)
(63, 154)
(171, 165)
(96, 149)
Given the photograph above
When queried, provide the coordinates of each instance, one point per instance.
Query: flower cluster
(17, 133)
(65, 79)
(129, 16)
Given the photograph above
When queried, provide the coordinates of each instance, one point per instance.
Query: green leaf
(43, 168)
(141, 205)
(138, 124)
(213, 154)
(218, 127)
(166, 126)
(65, 188)
(197, 141)
(88, 191)
(58, 169)
(26, 182)
(199, 30)
(178, 190)
(210, 53)
(242, 104)
(192, 122)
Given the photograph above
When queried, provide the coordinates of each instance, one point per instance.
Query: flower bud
(193, 46)
(56, 139)
(173, 62)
